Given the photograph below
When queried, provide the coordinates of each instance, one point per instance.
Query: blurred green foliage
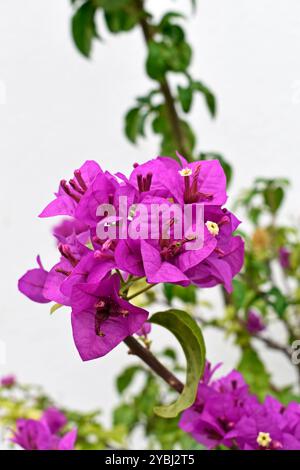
(164, 108)
(28, 402)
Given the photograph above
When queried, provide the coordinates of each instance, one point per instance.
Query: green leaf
(126, 378)
(180, 57)
(254, 214)
(167, 56)
(239, 293)
(125, 415)
(277, 300)
(156, 60)
(54, 308)
(84, 28)
(167, 17)
(208, 95)
(161, 125)
(186, 294)
(168, 290)
(173, 34)
(147, 99)
(170, 353)
(273, 198)
(145, 401)
(189, 335)
(185, 96)
(112, 5)
(254, 373)
(119, 20)
(132, 124)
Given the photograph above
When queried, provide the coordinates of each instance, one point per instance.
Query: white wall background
(58, 109)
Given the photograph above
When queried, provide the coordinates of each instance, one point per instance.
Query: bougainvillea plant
(127, 242)
(121, 231)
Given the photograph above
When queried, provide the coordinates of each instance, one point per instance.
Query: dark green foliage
(189, 335)
(186, 294)
(168, 51)
(84, 28)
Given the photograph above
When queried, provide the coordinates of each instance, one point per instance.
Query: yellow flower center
(185, 172)
(264, 439)
(212, 227)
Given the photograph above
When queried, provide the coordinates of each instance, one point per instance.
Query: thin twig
(274, 345)
(267, 341)
(145, 289)
(146, 356)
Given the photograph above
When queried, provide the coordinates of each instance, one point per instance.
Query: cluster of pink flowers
(87, 275)
(225, 412)
(45, 433)
(8, 381)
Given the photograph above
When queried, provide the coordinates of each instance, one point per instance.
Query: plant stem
(165, 89)
(143, 353)
(146, 356)
(274, 345)
(145, 289)
(120, 276)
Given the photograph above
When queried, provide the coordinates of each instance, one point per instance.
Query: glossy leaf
(185, 95)
(84, 28)
(133, 124)
(120, 20)
(189, 335)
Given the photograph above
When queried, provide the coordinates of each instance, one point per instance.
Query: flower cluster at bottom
(226, 413)
(45, 433)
